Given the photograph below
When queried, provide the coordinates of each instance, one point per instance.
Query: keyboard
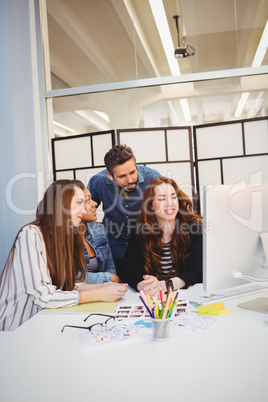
(237, 291)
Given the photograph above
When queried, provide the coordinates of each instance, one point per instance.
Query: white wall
(21, 144)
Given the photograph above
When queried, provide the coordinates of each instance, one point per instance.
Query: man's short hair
(118, 155)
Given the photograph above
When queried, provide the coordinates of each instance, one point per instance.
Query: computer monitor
(234, 216)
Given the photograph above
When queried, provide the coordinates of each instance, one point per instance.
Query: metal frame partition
(80, 156)
(231, 152)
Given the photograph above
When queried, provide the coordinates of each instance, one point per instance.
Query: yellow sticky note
(222, 308)
(213, 309)
(208, 310)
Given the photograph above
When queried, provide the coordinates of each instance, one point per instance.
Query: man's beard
(129, 188)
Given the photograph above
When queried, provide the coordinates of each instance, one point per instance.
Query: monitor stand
(260, 304)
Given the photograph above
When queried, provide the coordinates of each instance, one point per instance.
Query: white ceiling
(94, 42)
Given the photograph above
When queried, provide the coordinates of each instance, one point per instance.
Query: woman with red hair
(166, 250)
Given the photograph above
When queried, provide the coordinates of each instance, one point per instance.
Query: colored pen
(149, 299)
(145, 300)
(168, 289)
(147, 308)
(163, 308)
(161, 297)
(173, 300)
(167, 305)
(156, 306)
(142, 294)
(173, 305)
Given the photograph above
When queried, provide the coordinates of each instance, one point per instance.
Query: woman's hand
(112, 291)
(107, 291)
(150, 285)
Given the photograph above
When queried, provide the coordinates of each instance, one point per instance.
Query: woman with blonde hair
(46, 265)
(166, 250)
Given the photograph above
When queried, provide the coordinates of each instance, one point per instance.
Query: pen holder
(161, 328)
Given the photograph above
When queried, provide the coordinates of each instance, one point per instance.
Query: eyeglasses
(97, 325)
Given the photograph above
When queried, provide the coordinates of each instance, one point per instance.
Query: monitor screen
(234, 217)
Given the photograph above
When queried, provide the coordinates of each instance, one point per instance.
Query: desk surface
(229, 362)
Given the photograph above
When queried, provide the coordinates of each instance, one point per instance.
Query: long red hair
(151, 234)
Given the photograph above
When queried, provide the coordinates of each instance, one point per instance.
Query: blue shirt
(97, 238)
(120, 213)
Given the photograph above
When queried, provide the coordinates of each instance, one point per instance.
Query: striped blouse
(27, 287)
(166, 262)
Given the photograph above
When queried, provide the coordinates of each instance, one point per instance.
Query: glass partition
(93, 42)
(164, 105)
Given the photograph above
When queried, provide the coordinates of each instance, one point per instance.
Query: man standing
(120, 187)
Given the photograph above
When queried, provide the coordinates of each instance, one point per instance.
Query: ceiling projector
(180, 53)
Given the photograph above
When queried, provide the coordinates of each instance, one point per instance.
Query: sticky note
(213, 309)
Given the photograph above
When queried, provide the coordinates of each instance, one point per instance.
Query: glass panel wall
(209, 101)
(95, 42)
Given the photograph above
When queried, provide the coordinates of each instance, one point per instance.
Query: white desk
(229, 362)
